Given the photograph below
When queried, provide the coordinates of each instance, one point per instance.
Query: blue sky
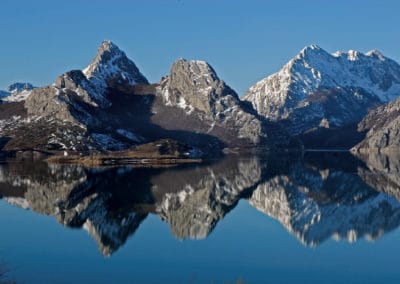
(243, 40)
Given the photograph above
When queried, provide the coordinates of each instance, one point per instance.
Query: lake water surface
(316, 218)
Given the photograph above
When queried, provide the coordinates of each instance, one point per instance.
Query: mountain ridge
(110, 105)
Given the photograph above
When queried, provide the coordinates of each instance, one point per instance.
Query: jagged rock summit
(111, 67)
(195, 87)
(315, 86)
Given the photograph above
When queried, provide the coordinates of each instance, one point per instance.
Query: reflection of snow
(358, 211)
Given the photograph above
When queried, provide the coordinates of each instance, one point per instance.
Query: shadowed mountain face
(316, 197)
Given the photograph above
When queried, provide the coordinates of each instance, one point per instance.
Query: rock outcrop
(383, 129)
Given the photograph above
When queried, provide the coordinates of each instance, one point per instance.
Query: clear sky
(243, 40)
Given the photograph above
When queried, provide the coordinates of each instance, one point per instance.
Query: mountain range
(317, 100)
(320, 94)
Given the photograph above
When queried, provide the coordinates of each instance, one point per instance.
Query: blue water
(246, 246)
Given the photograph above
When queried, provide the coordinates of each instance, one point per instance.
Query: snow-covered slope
(316, 85)
(16, 92)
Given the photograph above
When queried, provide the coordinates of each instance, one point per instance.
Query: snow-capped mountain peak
(376, 53)
(112, 63)
(18, 87)
(16, 92)
(298, 85)
(111, 66)
(107, 53)
(309, 52)
(200, 72)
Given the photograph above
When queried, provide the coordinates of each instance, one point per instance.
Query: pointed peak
(312, 47)
(311, 50)
(112, 63)
(376, 53)
(109, 46)
(199, 67)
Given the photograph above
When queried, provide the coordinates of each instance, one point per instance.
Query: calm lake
(315, 218)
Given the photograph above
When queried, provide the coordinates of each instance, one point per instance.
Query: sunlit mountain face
(316, 197)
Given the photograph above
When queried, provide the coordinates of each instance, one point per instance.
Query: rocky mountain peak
(306, 88)
(19, 87)
(106, 52)
(310, 53)
(111, 67)
(200, 72)
(194, 84)
(377, 54)
(195, 87)
(311, 49)
(112, 63)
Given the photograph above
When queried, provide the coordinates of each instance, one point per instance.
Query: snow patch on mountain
(18, 96)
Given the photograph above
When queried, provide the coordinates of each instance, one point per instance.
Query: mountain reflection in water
(315, 197)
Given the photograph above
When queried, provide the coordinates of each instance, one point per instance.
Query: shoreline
(111, 160)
